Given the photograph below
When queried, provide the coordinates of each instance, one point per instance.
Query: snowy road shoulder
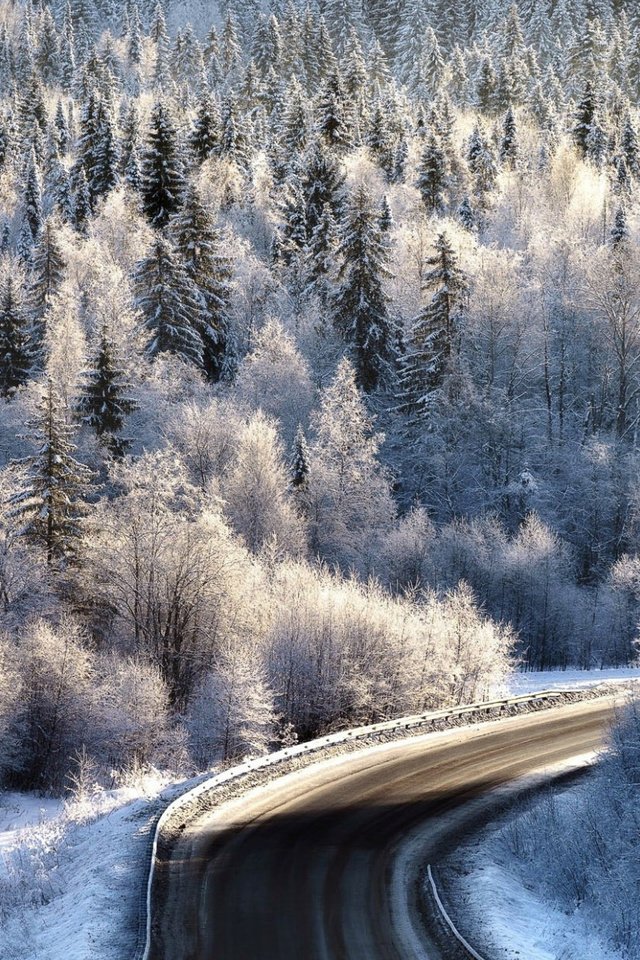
(70, 875)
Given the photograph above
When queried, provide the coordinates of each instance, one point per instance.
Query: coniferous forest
(319, 365)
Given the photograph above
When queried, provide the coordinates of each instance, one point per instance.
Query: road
(306, 868)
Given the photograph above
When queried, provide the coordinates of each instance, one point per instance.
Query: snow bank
(70, 875)
(516, 923)
(535, 680)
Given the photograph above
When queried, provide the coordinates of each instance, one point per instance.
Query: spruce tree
(360, 304)
(105, 401)
(432, 176)
(322, 180)
(32, 198)
(162, 169)
(321, 256)
(48, 267)
(169, 304)
(15, 340)
(333, 120)
(585, 117)
(432, 341)
(204, 140)
(51, 500)
(509, 140)
(299, 468)
(200, 246)
(620, 229)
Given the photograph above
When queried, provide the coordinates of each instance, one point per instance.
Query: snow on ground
(538, 680)
(71, 875)
(518, 924)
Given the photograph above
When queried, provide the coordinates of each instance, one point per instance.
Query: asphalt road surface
(306, 868)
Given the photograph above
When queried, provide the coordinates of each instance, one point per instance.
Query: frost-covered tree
(169, 304)
(53, 483)
(361, 304)
(105, 401)
(15, 337)
(350, 505)
(162, 168)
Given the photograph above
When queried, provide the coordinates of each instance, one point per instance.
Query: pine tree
(162, 172)
(585, 117)
(81, 203)
(48, 268)
(299, 467)
(200, 245)
(629, 147)
(32, 198)
(169, 304)
(432, 341)
(509, 140)
(332, 112)
(620, 229)
(321, 256)
(51, 500)
(204, 140)
(432, 176)
(105, 401)
(15, 341)
(466, 215)
(322, 180)
(361, 306)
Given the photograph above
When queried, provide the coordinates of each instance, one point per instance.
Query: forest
(319, 366)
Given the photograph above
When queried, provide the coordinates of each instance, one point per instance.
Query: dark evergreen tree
(201, 247)
(432, 176)
(322, 180)
(321, 256)
(585, 116)
(52, 498)
(169, 304)
(299, 468)
(15, 340)
(509, 140)
(105, 401)
(333, 120)
(48, 268)
(205, 137)
(360, 304)
(32, 198)
(162, 169)
(433, 340)
(620, 229)
(81, 203)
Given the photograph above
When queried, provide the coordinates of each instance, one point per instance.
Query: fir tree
(210, 270)
(105, 401)
(299, 468)
(620, 229)
(321, 254)
(48, 268)
(51, 501)
(432, 341)
(15, 341)
(204, 140)
(332, 113)
(322, 181)
(432, 176)
(509, 140)
(32, 198)
(162, 173)
(169, 304)
(585, 116)
(361, 306)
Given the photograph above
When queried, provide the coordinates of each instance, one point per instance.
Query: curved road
(314, 865)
